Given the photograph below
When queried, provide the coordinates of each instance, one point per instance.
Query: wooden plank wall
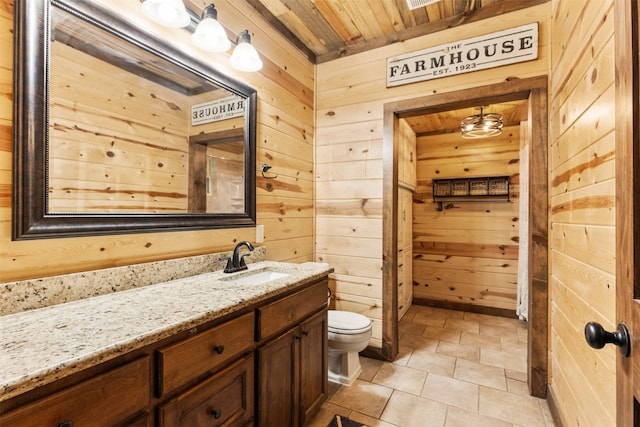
(582, 209)
(351, 93)
(285, 136)
(136, 159)
(468, 252)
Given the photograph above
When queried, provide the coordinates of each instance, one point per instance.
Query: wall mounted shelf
(477, 189)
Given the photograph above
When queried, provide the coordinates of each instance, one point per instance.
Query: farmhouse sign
(510, 46)
(214, 111)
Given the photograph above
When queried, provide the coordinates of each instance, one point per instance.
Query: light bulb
(245, 57)
(170, 13)
(211, 36)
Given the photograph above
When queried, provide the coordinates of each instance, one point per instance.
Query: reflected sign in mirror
(130, 134)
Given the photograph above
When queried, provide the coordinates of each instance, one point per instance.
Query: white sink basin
(257, 277)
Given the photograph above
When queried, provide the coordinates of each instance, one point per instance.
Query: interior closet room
(469, 212)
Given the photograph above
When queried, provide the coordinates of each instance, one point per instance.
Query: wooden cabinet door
(405, 280)
(313, 365)
(278, 381)
(405, 217)
(405, 250)
(406, 155)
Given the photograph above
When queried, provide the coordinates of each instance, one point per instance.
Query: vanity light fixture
(209, 34)
(170, 13)
(481, 125)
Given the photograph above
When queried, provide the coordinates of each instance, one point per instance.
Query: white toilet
(349, 334)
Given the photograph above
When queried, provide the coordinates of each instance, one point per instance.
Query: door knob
(597, 337)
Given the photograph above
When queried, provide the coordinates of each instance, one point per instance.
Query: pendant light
(170, 13)
(209, 34)
(245, 57)
(481, 125)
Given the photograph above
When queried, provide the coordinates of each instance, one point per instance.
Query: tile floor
(454, 369)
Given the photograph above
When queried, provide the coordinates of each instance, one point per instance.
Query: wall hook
(265, 168)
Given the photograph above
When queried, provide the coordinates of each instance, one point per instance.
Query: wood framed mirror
(116, 131)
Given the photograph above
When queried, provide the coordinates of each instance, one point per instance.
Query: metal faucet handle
(242, 262)
(229, 267)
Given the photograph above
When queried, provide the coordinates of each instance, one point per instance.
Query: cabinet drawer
(224, 399)
(205, 352)
(104, 400)
(285, 312)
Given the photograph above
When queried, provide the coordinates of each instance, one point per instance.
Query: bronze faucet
(236, 262)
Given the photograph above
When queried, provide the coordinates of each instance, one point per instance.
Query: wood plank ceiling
(330, 29)
(512, 112)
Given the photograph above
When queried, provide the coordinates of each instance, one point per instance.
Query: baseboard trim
(492, 311)
(553, 408)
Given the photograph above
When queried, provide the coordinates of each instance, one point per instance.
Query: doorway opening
(534, 92)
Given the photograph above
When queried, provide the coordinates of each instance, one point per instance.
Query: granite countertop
(42, 345)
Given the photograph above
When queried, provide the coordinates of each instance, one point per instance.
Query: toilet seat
(347, 323)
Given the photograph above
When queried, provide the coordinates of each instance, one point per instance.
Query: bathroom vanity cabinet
(226, 398)
(259, 365)
(292, 357)
(206, 378)
(119, 396)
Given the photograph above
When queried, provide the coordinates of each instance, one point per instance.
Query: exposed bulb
(170, 13)
(210, 34)
(245, 57)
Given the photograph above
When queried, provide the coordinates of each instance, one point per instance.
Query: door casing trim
(626, 22)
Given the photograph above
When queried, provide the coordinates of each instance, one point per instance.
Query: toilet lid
(346, 322)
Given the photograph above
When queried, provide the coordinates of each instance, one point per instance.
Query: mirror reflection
(117, 131)
(132, 133)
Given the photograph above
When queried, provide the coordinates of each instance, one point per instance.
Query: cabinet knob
(219, 349)
(66, 424)
(305, 333)
(216, 413)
